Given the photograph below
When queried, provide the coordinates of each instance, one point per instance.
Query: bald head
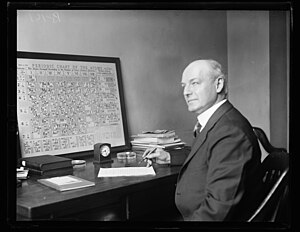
(208, 68)
(203, 85)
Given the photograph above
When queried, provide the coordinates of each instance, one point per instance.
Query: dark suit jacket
(220, 173)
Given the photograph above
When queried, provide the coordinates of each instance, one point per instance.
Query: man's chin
(195, 110)
(191, 109)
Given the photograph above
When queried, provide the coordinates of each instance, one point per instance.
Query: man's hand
(160, 156)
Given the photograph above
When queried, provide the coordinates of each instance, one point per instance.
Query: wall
(153, 46)
(258, 70)
(248, 62)
(279, 78)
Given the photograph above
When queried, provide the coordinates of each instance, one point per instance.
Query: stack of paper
(158, 138)
(126, 171)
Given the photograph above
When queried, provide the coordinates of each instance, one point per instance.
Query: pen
(144, 158)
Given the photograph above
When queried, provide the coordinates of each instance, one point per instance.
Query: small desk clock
(102, 153)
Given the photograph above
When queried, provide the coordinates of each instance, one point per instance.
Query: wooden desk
(113, 198)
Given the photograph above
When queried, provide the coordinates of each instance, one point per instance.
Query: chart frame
(84, 59)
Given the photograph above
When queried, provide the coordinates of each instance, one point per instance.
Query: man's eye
(195, 83)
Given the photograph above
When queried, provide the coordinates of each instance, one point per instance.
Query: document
(62, 180)
(126, 171)
(63, 183)
(22, 174)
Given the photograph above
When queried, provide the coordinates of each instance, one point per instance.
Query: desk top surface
(34, 195)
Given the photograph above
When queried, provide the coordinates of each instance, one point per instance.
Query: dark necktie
(197, 129)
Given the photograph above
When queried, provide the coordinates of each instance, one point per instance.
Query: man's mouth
(190, 100)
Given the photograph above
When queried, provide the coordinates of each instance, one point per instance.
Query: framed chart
(67, 103)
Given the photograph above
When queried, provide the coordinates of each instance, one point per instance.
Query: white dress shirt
(205, 116)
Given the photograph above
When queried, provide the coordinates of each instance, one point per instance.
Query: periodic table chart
(67, 106)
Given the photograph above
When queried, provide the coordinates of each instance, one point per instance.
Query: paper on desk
(22, 174)
(126, 171)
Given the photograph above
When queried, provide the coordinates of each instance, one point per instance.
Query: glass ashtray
(126, 155)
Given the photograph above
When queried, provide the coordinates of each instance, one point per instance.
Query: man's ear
(220, 84)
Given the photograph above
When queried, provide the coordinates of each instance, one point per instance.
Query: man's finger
(152, 155)
(145, 153)
(149, 163)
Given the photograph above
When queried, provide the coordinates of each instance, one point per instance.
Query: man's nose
(186, 90)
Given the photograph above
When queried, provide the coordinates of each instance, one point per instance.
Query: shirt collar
(205, 116)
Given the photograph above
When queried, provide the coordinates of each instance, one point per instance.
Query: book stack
(165, 139)
(47, 165)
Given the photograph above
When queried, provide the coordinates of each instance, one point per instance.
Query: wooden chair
(275, 171)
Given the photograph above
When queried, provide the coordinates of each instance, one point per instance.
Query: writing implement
(148, 153)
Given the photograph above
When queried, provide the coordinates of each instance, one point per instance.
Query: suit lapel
(203, 134)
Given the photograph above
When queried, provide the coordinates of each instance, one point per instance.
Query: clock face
(104, 150)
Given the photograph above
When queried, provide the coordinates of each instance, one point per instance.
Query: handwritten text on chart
(45, 17)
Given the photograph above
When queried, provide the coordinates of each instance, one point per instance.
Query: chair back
(274, 174)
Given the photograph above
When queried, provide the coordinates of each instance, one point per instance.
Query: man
(220, 174)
